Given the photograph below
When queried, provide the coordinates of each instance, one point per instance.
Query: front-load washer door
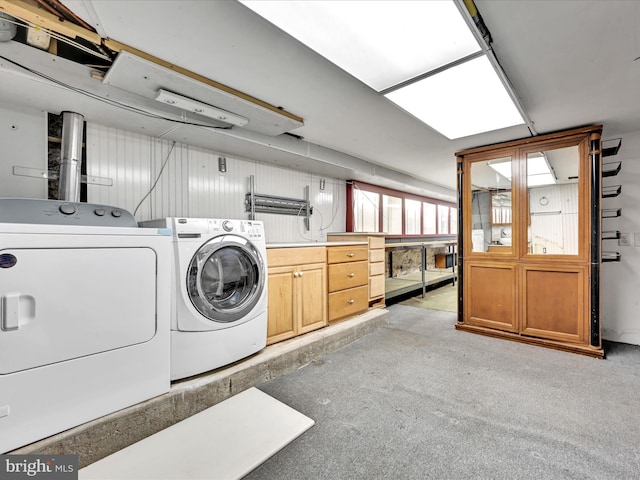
(226, 279)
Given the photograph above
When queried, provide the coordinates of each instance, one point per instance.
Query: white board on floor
(223, 442)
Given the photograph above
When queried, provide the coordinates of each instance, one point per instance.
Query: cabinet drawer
(353, 253)
(279, 257)
(376, 255)
(348, 302)
(376, 268)
(376, 286)
(376, 242)
(347, 275)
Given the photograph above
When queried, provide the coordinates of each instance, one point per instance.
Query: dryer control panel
(59, 212)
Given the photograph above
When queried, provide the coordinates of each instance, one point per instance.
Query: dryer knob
(227, 225)
(67, 209)
(116, 213)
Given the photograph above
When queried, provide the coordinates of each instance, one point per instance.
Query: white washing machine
(220, 292)
(84, 315)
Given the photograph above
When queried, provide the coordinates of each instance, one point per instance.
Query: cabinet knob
(351, 275)
(351, 301)
(351, 254)
(296, 274)
(301, 273)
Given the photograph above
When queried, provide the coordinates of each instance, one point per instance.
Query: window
(371, 208)
(429, 219)
(454, 221)
(392, 214)
(443, 219)
(412, 217)
(366, 206)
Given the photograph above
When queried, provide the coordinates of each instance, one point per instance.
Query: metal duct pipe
(71, 157)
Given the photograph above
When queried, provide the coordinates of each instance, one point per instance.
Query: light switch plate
(636, 237)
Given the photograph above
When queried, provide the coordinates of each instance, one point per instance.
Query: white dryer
(220, 292)
(84, 315)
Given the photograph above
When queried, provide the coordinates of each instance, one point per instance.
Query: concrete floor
(442, 298)
(418, 400)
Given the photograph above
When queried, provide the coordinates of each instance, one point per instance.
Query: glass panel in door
(491, 206)
(552, 187)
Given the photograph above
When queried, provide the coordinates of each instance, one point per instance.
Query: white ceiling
(571, 63)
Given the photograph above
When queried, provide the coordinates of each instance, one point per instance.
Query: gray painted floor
(420, 400)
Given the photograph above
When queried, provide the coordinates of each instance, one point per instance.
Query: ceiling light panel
(463, 100)
(382, 43)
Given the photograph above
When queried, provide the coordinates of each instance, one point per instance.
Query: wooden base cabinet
(297, 291)
(376, 257)
(348, 281)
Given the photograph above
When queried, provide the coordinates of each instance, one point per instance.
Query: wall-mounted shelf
(610, 191)
(611, 147)
(611, 212)
(611, 169)
(611, 256)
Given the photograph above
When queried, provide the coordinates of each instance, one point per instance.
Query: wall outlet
(636, 237)
(625, 239)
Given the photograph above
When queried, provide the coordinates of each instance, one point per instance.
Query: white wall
(23, 141)
(621, 281)
(190, 185)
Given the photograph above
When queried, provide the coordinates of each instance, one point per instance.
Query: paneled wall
(185, 181)
(23, 136)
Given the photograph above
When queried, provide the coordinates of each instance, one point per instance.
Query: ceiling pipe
(71, 157)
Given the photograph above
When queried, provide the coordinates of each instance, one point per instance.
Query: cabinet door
(554, 304)
(311, 285)
(490, 295)
(281, 317)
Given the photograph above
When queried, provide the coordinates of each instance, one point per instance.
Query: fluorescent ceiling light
(421, 55)
(463, 100)
(200, 108)
(382, 43)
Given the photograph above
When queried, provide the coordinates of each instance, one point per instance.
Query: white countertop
(313, 244)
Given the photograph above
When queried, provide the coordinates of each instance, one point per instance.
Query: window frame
(354, 185)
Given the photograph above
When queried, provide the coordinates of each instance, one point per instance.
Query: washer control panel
(195, 227)
(59, 212)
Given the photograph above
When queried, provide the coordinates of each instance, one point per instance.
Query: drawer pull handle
(351, 254)
(351, 301)
(351, 275)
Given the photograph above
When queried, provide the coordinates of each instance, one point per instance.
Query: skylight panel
(463, 100)
(382, 43)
